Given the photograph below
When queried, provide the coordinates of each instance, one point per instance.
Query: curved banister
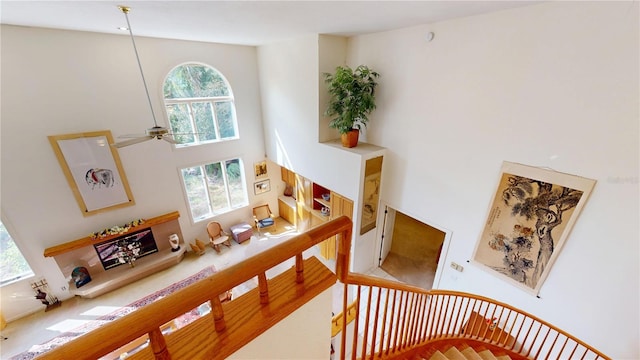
(424, 317)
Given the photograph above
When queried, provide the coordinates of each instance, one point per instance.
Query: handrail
(149, 319)
(396, 318)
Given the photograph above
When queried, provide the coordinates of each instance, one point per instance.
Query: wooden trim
(90, 240)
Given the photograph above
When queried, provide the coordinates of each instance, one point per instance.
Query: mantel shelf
(90, 240)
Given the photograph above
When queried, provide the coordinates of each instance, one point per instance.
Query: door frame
(385, 238)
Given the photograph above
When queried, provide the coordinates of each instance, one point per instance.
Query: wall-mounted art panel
(93, 170)
(531, 215)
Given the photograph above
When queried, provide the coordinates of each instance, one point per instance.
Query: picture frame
(260, 169)
(531, 215)
(262, 187)
(93, 170)
(371, 194)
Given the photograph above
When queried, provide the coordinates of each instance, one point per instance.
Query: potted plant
(351, 99)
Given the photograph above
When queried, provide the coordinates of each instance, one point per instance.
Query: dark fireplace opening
(125, 249)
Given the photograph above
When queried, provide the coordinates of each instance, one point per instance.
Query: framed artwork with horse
(93, 170)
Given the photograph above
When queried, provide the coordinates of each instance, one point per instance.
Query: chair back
(262, 212)
(214, 229)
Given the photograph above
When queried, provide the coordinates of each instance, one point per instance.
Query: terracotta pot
(350, 139)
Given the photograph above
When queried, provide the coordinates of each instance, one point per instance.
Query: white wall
(305, 334)
(292, 86)
(551, 85)
(59, 82)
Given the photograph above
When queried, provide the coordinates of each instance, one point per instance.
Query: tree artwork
(530, 218)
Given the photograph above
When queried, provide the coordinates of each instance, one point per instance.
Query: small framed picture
(262, 186)
(260, 169)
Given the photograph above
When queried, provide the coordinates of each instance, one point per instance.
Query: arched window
(199, 105)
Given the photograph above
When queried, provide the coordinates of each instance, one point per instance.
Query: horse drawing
(99, 177)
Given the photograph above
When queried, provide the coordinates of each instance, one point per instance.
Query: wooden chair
(263, 217)
(217, 236)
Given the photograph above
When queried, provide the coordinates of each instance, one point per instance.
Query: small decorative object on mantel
(351, 99)
(174, 240)
(127, 252)
(117, 230)
(80, 276)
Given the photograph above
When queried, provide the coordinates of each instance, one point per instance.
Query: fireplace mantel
(81, 252)
(90, 240)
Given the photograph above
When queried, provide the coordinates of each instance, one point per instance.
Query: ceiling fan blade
(124, 143)
(129, 136)
(168, 138)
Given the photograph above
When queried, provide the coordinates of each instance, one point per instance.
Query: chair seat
(220, 240)
(266, 222)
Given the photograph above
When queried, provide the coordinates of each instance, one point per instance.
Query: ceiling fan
(155, 132)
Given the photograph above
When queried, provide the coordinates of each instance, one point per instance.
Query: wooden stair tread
(438, 356)
(470, 353)
(454, 354)
(467, 353)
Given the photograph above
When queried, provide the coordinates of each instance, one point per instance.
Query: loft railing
(391, 319)
(229, 326)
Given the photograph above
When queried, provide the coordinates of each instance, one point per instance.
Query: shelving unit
(307, 207)
(319, 203)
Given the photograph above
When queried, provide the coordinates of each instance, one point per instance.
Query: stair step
(467, 353)
(470, 354)
(454, 354)
(487, 355)
(438, 356)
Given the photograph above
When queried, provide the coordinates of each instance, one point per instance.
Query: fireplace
(110, 252)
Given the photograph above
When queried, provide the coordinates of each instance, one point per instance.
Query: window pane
(236, 183)
(190, 81)
(180, 123)
(196, 192)
(217, 188)
(225, 115)
(204, 120)
(13, 265)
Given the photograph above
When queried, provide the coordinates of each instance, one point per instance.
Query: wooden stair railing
(393, 320)
(231, 325)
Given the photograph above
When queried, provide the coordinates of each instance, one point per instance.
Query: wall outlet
(456, 266)
(63, 288)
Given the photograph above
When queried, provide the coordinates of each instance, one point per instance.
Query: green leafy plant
(352, 97)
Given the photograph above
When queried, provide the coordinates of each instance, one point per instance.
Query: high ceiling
(241, 22)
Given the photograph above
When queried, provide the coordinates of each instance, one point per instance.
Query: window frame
(22, 277)
(212, 212)
(213, 102)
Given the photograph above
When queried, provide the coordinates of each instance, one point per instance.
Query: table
(241, 232)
